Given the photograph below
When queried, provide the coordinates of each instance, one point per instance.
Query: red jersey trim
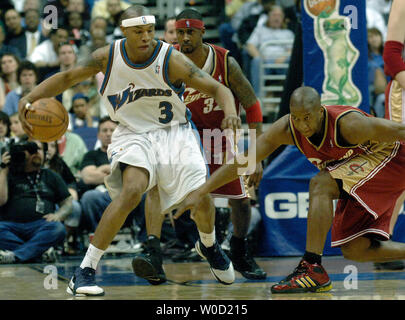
(336, 131)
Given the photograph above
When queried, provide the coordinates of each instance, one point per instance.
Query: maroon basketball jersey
(329, 149)
(206, 114)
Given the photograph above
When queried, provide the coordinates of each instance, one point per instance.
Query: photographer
(29, 195)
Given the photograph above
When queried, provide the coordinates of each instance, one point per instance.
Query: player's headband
(189, 23)
(138, 21)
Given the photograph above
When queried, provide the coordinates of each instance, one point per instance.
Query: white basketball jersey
(141, 96)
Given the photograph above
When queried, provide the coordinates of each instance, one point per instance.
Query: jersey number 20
(166, 112)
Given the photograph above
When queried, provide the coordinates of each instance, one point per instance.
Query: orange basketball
(318, 6)
(49, 120)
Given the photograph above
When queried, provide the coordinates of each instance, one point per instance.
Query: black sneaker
(243, 261)
(150, 266)
(220, 265)
(83, 283)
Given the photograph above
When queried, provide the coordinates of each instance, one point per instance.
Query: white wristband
(138, 21)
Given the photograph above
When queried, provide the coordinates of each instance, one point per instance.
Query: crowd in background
(32, 49)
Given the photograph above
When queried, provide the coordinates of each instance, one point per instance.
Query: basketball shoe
(83, 283)
(243, 261)
(305, 278)
(150, 265)
(220, 265)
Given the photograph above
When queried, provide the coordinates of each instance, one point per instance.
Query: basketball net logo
(188, 24)
(143, 20)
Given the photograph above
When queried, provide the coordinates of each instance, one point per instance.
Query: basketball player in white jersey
(153, 143)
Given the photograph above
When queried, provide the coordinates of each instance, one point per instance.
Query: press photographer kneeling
(29, 196)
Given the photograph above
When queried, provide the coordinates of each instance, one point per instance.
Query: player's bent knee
(355, 250)
(324, 184)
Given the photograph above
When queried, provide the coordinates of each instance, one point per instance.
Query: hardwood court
(193, 281)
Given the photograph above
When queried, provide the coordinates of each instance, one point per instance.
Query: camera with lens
(17, 153)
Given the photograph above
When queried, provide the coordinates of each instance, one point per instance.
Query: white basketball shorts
(173, 157)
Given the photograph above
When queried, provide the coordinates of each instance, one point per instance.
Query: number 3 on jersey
(166, 112)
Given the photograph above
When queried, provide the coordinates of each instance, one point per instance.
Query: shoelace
(300, 269)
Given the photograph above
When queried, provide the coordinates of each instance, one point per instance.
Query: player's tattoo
(96, 60)
(239, 85)
(194, 71)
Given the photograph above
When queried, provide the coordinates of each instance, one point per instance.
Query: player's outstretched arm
(62, 81)
(243, 91)
(182, 69)
(394, 64)
(278, 134)
(356, 128)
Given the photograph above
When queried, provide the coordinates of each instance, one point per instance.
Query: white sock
(92, 257)
(207, 239)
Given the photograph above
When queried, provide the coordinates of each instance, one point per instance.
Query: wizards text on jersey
(130, 95)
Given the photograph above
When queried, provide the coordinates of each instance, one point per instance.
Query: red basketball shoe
(305, 278)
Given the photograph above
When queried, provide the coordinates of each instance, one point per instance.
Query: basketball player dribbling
(154, 143)
(207, 116)
(361, 161)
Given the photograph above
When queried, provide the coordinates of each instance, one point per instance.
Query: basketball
(49, 121)
(315, 7)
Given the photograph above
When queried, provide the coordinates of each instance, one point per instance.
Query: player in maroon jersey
(206, 114)
(361, 162)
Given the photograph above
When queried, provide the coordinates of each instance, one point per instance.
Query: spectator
(248, 14)
(77, 32)
(82, 7)
(12, 19)
(16, 129)
(32, 4)
(8, 76)
(30, 222)
(45, 56)
(170, 35)
(95, 167)
(97, 40)
(27, 77)
(256, 45)
(67, 59)
(89, 88)
(72, 149)
(80, 114)
(31, 37)
(108, 9)
(376, 78)
(56, 163)
(4, 130)
(4, 48)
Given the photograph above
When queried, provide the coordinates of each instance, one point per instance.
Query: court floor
(193, 281)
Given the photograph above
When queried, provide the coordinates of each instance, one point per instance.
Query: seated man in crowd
(29, 194)
(95, 167)
(274, 30)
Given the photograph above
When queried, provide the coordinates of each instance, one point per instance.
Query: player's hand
(191, 202)
(254, 179)
(52, 217)
(23, 106)
(232, 122)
